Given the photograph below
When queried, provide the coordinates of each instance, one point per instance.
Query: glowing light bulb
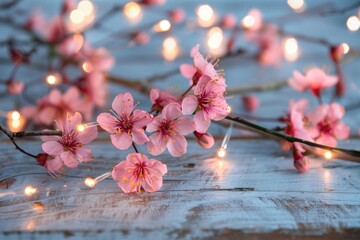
(215, 38)
(328, 155)
(132, 11)
(30, 190)
(16, 122)
(90, 182)
(15, 115)
(77, 16)
(170, 49)
(291, 49)
(53, 79)
(87, 67)
(162, 26)
(297, 5)
(206, 15)
(86, 6)
(81, 127)
(345, 48)
(222, 152)
(228, 109)
(353, 23)
(248, 21)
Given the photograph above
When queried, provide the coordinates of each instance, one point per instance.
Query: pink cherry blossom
(251, 102)
(126, 124)
(202, 67)
(177, 15)
(208, 103)
(99, 58)
(70, 147)
(205, 140)
(93, 86)
(301, 162)
(326, 125)
(270, 55)
(228, 21)
(137, 172)
(314, 79)
(141, 37)
(160, 99)
(170, 128)
(255, 17)
(55, 106)
(14, 87)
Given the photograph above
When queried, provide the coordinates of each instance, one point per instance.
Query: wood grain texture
(253, 192)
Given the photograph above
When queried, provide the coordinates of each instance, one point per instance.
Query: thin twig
(291, 139)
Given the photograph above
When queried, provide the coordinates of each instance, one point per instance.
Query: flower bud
(301, 163)
(141, 38)
(14, 87)
(205, 140)
(251, 102)
(177, 15)
(336, 53)
(41, 158)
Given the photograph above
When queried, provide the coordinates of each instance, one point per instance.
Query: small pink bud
(41, 158)
(14, 87)
(177, 15)
(141, 38)
(301, 163)
(228, 21)
(152, 2)
(336, 53)
(251, 102)
(205, 140)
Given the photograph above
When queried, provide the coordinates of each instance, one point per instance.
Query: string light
(228, 109)
(345, 48)
(206, 15)
(16, 122)
(162, 26)
(248, 21)
(170, 49)
(215, 38)
(132, 11)
(222, 151)
(91, 182)
(81, 127)
(53, 79)
(297, 5)
(77, 16)
(291, 49)
(328, 155)
(353, 23)
(30, 190)
(87, 67)
(86, 7)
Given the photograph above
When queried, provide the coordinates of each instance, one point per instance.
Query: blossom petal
(72, 120)
(54, 165)
(202, 122)
(121, 141)
(327, 140)
(107, 122)
(185, 125)
(157, 144)
(341, 131)
(153, 126)
(84, 154)
(123, 104)
(141, 118)
(88, 135)
(187, 70)
(123, 174)
(139, 136)
(177, 145)
(189, 105)
(171, 111)
(52, 148)
(69, 159)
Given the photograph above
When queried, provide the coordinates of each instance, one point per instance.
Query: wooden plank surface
(254, 191)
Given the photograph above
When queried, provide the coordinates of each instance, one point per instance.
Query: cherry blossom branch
(291, 139)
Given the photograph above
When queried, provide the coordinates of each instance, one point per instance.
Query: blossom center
(325, 127)
(124, 124)
(70, 141)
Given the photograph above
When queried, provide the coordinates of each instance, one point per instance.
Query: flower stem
(291, 139)
(135, 148)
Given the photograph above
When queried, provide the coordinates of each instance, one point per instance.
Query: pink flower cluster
(323, 125)
(169, 125)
